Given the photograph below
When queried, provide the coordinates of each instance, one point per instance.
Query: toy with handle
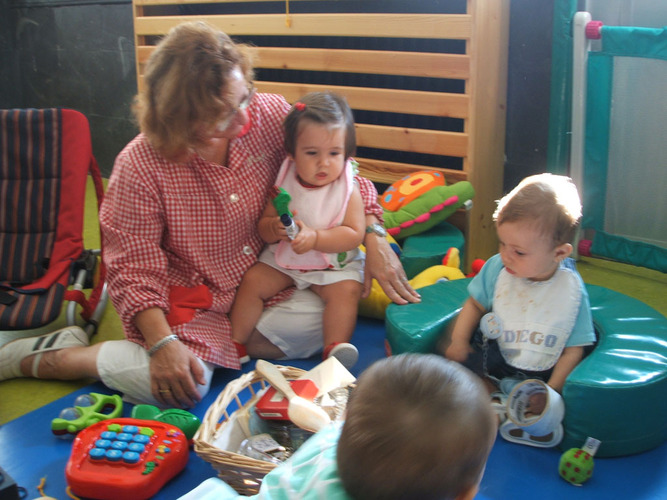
(88, 409)
(281, 199)
(303, 413)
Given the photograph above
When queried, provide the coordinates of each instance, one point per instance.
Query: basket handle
(271, 373)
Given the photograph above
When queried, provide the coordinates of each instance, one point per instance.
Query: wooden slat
(486, 126)
(374, 99)
(437, 26)
(387, 172)
(181, 2)
(483, 68)
(420, 64)
(436, 142)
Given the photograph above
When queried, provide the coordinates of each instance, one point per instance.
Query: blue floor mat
(30, 452)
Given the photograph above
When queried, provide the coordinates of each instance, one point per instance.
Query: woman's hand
(175, 372)
(383, 264)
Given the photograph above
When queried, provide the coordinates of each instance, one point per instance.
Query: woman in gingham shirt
(179, 226)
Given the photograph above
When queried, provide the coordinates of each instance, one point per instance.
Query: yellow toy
(376, 303)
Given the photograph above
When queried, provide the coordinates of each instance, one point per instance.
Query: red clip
(593, 30)
(300, 106)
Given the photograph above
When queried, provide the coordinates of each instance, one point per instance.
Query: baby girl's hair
(325, 108)
(550, 201)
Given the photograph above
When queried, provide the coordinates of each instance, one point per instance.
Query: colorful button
(137, 447)
(124, 436)
(130, 457)
(114, 455)
(97, 453)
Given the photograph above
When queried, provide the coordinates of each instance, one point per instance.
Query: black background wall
(80, 54)
(72, 53)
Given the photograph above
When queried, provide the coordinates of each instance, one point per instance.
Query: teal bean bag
(424, 250)
(617, 394)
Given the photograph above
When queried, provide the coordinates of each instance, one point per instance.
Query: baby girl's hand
(278, 229)
(305, 240)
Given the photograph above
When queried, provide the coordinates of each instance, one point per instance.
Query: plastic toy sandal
(544, 430)
(88, 410)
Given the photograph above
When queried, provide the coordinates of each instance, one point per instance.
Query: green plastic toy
(281, 199)
(576, 466)
(184, 420)
(88, 410)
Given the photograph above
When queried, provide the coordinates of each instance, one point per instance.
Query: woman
(179, 226)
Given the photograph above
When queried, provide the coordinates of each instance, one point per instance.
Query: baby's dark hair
(326, 108)
(417, 426)
(551, 201)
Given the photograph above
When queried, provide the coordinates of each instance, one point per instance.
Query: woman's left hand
(383, 264)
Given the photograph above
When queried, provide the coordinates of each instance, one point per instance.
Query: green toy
(88, 410)
(420, 201)
(184, 420)
(576, 466)
(281, 199)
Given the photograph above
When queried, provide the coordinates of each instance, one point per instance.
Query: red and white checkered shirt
(186, 224)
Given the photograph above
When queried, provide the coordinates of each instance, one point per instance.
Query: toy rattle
(281, 199)
(576, 464)
(88, 410)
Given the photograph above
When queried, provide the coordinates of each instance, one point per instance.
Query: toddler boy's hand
(458, 351)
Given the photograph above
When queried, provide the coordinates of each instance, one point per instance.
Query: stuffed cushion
(420, 201)
(616, 394)
(421, 251)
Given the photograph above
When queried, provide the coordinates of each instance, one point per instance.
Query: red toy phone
(273, 405)
(125, 458)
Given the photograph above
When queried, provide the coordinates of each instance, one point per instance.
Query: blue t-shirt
(482, 288)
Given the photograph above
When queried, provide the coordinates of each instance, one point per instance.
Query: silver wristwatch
(377, 229)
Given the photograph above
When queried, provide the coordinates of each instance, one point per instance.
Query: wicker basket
(242, 473)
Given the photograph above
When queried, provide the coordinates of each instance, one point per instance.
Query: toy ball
(576, 466)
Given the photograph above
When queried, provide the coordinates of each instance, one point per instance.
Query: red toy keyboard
(125, 458)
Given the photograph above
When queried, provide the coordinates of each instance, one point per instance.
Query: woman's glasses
(243, 105)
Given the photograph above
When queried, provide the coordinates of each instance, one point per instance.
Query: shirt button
(233, 197)
(247, 250)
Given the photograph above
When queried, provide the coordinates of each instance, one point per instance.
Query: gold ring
(164, 391)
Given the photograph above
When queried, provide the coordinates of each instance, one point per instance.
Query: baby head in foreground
(417, 426)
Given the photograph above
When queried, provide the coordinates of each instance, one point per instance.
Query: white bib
(319, 208)
(537, 317)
